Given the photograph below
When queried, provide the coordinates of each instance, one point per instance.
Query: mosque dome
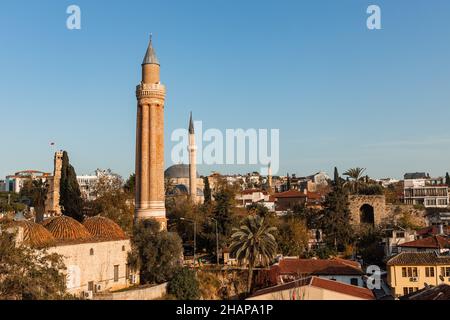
(34, 234)
(177, 171)
(67, 229)
(104, 228)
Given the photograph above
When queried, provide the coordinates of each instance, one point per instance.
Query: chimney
(441, 229)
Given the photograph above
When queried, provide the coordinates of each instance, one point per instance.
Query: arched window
(91, 251)
(123, 248)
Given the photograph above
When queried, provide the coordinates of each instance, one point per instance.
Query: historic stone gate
(369, 210)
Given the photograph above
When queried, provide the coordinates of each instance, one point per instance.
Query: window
(409, 272)
(408, 290)
(429, 272)
(123, 248)
(445, 271)
(91, 252)
(116, 273)
(354, 281)
(91, 286)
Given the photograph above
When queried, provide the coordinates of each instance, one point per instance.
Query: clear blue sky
(340, 94)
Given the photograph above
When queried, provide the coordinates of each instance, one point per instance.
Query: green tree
(223, 210)
(253, 244)
(447, 179)
(288, 183)
(36, 192)
(112, 201)
(130, 184)
(293, 236)
(336, 219)
(157, 254)
(29, 274)
(70, 195)
(356, 175)
(184, 285)
(369, 246)
(337, 178)
(207, 190)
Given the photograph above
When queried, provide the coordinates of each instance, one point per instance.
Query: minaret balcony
(150, 90)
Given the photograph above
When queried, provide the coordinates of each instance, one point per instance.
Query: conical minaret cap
(191, 125)
(150, 55)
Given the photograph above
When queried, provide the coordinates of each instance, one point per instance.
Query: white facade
(94, 267)
(87, 183)
(14, 183)
(431, 193)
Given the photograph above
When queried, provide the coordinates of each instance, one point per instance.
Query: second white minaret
(192, 148)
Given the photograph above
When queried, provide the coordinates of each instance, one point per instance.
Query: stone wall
(139, 293)
(95, 262)
(377, 202)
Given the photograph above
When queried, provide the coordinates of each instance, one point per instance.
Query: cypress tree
(337, 179)
(447, 179)
(70, 195)
(207, 190)
(337, 218)
(288, 183)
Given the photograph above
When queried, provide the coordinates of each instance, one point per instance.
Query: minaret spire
(191, 125)
(192, 148)
(150, 56)
(150, 94)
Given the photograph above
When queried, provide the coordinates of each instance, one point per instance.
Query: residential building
(420, 189)
(288, 269)
(250, 196)
(394, 238)
(438, 218)
(409, 272)
(87, 182)
(432, 231)
(440, 292)
(313, 288)
(438, 243)
(14, 183)
(286, 201)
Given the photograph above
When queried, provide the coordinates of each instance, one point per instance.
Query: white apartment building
(420, 189)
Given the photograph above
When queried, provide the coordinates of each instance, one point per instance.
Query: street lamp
(217, 241)
(195, 233)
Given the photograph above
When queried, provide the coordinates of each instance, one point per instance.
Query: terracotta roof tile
(336, 286)
(434, 242)
(104, 228)
(419, 258)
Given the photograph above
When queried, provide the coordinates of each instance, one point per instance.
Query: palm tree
(355, 174)
(254, 244)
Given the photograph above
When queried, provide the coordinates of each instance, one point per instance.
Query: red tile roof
(344, 288)
(304, 267)
(250, 191)
(418, 259)
(355, 291)
(434, 242)
(290, 194)
(432, 230)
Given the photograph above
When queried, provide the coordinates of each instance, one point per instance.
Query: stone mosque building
(183, 178)
(94, 252)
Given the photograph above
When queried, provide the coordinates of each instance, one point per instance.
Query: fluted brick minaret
(192, 148)
(150, 94)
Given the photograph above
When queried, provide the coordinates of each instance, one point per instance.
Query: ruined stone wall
(54, 183)
(378, 202)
